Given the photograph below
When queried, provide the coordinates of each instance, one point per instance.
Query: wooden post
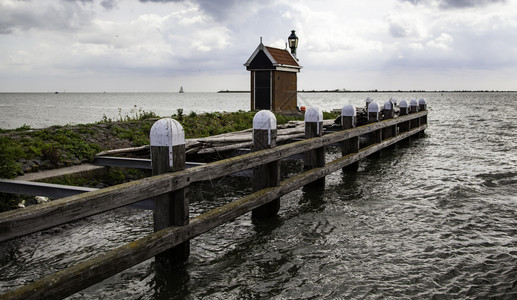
(314, 128)
(422, 106)
(413, 108)
(393, 100)
(404, 126)
(268, 175)
(167, 141)
(368, 101)
(351, 145)
(423, 120)
(388, 114)
(373, 116)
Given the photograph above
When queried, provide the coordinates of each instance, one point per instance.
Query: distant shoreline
(385, 91)
(228, 91)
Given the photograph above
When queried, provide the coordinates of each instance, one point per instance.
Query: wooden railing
(20, 222)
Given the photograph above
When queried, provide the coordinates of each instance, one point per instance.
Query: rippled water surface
(432, 218)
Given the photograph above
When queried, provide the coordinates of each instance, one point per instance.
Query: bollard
(351, 145)
(413, 104)
(314, 128)
(388, 114)
(373, 116)
(422, 104)
(413, 108)
(368, 101)
(404, 126)
(373, 112)
(167, 141)
(348, 116)
(423, 120)
(268, 175)
(403, 108)
(388, 110)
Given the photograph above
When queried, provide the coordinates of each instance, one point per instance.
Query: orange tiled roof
(282, 56)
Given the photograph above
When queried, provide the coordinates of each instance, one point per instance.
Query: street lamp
(293, 42)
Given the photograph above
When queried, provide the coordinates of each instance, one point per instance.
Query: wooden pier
(171, 177)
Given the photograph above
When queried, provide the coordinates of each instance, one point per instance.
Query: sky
(160, 45)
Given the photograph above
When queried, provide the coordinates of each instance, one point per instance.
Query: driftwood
(243, 139)
(228, 141)
(123, 151)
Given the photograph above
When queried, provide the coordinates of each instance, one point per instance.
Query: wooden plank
(41, 189)
(110, 161)
(17, 223)
(80, 276)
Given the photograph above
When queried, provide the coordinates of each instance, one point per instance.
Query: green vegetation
(207, 124)
(9, 154)
(28, 150)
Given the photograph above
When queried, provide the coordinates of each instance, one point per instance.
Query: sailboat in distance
(181, 90)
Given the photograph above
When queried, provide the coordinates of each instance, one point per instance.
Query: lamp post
(293, 42)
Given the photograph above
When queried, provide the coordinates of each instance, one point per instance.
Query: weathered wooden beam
(20, 222)
(41, 189)
(110, 161)
(80, 276)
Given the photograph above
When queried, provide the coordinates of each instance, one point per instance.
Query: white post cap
(167, 132)
(374, 107)
(388, 105)
(348, 111)
(403, 103)
(421, 101)
(369, 100)
(413, 102)
(264, 119)
(313, 114)
(392, 99)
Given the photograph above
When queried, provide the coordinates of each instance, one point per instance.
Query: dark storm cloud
(451, 4)
(60, 16)
(218, 9)
(109, 4)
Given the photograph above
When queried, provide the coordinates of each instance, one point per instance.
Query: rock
(41, 199)
(26, 168)
(46, 165)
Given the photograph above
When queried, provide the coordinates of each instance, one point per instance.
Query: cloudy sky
(160, 45)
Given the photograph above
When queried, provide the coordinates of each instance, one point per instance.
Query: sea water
(432, 218)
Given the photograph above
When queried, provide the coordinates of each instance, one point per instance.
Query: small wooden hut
(273, 79)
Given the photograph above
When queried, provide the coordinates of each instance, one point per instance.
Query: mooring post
(314, 128)
(388, 114)
(403, 106)
(413, 108)
(268, 175)
(423, 120)
(351, 145)
(422, 106)
(374, 137)
(167, 141)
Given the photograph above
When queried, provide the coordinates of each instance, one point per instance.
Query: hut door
(262, 90)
